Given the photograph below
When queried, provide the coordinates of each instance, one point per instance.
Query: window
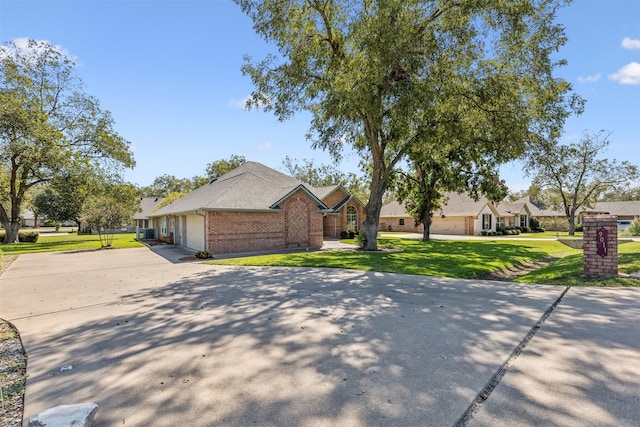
(401, 221)
(486, 221)
(500, 222)
(163, 227)
(352, 219)
(524, 221)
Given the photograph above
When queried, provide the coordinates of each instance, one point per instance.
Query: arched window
(352, 219)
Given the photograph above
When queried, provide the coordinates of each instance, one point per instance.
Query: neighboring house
(625, 211)
(142, 218)
(255, 208)
(460, 214)
(394, 217)
(514, 214)
(28, 219)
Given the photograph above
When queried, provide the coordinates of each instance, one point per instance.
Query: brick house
(347, 212)
(252, 208)
(459, 214)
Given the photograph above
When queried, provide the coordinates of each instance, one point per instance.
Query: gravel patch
(13, 368)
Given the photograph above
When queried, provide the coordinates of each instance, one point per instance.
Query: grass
(444, 258)
(568, 271)
(69, 242)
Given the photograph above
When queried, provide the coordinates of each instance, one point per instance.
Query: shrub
(352, 234)
(634, 228)
(344, 234)
(29, 236)
(203, 254)
(525, 229)
(24, 236)
(361, 240)
(534, 223)
(579, 227)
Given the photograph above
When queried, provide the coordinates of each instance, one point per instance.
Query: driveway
(159, 343)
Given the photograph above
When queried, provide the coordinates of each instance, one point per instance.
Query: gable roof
(455, 204)
(394, 210)
(628, 208)
(513, 209)
(146, 207)
(249, 187)
(323, 192)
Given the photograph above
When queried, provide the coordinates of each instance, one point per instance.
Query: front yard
(69, 242)
(462, 259)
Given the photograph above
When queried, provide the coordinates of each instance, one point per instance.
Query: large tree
(48, 124)
(371, 73)
(222, 166)
(572, 176)
(166, 184)
(423, 189)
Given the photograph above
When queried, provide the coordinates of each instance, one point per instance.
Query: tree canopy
(387, 77)
(48, 125)
(222, 166)
(572, 176)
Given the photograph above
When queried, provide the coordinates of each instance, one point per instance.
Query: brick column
(600, 253)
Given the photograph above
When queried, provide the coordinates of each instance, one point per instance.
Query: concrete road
(158, 343)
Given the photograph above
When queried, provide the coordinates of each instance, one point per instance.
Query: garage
(451, 225)
(194, 233)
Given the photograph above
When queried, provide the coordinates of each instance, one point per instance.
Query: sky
(169, 73)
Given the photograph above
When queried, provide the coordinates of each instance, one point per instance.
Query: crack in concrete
(484, 394)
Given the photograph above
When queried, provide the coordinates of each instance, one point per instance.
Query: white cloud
(590, 79)
(265, 146)
(26, 48)
(239, 103)
(629, 43)
(627, 75)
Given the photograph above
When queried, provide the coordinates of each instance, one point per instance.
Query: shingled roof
(249, 187)
(454, 204)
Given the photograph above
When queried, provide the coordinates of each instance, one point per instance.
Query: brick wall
(303, 221)
(595, 264)
(334, 198)
(408, 227)
(297, 224)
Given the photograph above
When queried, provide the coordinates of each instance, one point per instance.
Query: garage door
(195, 232)
(453, 225)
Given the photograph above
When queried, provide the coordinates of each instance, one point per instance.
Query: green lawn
(69, 242)
(568, 271)
(445, 258)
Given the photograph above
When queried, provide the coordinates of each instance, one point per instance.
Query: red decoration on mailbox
(602, 242)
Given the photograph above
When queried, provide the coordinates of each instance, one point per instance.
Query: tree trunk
(11, 233)
(372, 211)
(426, 232)
(572, 225)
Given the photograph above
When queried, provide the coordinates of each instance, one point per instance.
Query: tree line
(434, 97)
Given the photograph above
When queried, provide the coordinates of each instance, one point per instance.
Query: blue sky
(169, 72)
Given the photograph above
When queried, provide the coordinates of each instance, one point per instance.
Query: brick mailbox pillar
(600, 245)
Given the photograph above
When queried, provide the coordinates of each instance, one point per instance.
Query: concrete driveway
(158, 343)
